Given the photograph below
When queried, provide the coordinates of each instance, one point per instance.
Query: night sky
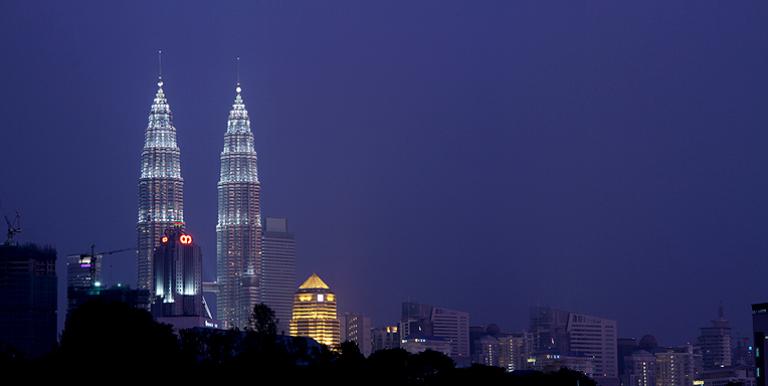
(597, 156)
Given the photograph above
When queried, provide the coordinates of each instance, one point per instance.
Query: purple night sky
(597, 156)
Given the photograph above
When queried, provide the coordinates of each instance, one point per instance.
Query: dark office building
(760, 329)
(27, 299)
(278, 270)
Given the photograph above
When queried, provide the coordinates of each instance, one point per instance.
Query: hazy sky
(598, 156)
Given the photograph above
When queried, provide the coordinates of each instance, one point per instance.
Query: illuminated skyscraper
(314, 312)
(178, 274)
(177, 277)
(238, 232)
(161, 188)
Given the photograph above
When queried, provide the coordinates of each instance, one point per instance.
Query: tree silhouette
(263, 320)
(114, 335)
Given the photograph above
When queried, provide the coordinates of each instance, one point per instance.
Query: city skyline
(362, 151)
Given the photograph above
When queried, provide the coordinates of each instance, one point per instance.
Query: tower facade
(177, 275)
(161, 188)
(314, 312)
(715, 343)
(238, 232)
(278, 270)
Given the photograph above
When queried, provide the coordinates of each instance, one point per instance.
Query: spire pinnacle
(237, 65)
(159, 68)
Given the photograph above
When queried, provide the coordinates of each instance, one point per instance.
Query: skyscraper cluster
(240, 255)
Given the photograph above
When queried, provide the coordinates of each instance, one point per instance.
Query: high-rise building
(640, 368)
(760, 331)
(28, 298)
(238, 232)
(314, 312)
(356, 328)
(83, 274)
(278, 270)
(161, 188)
(83, 271)
(178, 281)
(385, 338)
(515, 349)
(675, 366)
(743, 352)
(715, 343)
(624, 348)
(595, 338)
(549, 329)
(571, 334)
(424, 321)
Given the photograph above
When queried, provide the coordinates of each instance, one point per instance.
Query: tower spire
(237, 71)
(159, 68)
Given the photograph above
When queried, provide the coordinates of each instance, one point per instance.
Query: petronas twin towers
(238, 231)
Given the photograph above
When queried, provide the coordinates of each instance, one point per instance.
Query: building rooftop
(314, 282)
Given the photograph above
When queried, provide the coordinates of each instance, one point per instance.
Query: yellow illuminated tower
(314, 312)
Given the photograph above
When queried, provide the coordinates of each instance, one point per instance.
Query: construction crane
(100, 254)
(91, 260)
(14, 228)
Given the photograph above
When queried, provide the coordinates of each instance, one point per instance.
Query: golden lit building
(314, 312)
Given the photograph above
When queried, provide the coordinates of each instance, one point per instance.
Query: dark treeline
(116, 342)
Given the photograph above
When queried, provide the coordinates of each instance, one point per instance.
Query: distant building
(743, 353)
(177, 276)
(728, 376)
(83, 274)
(596, 338)
(424, 321)
(417, 344)
(28, 299)
(572, 335)
(514, 351)
(675, 366)
(640, 369)
(314, 312)
(356, 328)
(83, 271)
(278, 270)
(715, 343)
(625, 348)
(486, 349)
(385, 338)
(553, 362)
(760, 330)
(549, 328)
